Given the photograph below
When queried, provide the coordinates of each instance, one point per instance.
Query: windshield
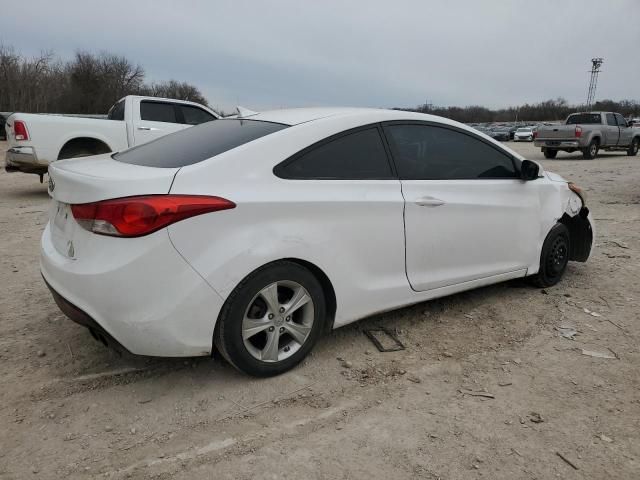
(195, 144)
(526, 130)
(592, 118)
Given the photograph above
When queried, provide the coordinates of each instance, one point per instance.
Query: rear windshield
(592, 118)
(195, 144)
(525, 129)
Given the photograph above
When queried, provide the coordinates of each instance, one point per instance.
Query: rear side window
(195, 115)
(611, 120)
(117, 111)
(355, 156)
(195, 144)
(157, 112)
(424, 152)
(584, 118)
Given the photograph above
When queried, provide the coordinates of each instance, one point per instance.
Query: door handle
(429, 202)
(144, 128)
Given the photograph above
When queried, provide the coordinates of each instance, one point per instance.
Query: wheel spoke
(251, 327)
(297, 331)
(270, 350)
(300, 298)
(270, 295)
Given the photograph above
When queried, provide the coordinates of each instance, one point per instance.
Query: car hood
(554, 177)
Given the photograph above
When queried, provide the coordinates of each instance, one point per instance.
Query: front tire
(272, 320)
(550, 153)
(591, 151)
(554, 257)
(633, 148)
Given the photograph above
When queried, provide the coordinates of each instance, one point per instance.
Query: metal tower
(595, 70)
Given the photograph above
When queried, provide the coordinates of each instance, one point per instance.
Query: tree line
(89, 83)
(557, 109)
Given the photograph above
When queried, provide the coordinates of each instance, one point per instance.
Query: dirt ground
(69, 408)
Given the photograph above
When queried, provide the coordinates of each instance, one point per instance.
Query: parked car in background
(226, 233)
(523, 134)
(502, 134)
(37, 140)
(3, 119)
(512, 131)
(491, 132)
(589, 132)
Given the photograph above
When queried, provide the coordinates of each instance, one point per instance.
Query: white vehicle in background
(36, 140)
(257, 234)
(523, 134)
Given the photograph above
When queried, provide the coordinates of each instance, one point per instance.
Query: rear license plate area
(62, 228)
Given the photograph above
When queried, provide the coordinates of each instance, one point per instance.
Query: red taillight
(578, 131)
(535, 134)
(138, 216)
(20, 130)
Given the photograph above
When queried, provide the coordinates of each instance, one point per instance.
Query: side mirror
(529, 170)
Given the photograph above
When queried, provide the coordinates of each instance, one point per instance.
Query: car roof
(296, 116)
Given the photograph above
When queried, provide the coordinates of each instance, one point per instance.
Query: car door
(156, 119)
(468, 216)
(626, 133)
(612, 132)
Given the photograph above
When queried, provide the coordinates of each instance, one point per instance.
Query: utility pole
(593, 82)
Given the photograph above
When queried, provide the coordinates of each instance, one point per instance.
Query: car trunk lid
(86, 180)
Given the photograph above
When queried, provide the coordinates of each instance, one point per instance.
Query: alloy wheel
(278, 321)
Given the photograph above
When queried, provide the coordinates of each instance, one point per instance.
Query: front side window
(621, 121)
(355, 156)
(194, 115)
(424, 152)
(157, 112)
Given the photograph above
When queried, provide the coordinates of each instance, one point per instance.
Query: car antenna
(245, 112)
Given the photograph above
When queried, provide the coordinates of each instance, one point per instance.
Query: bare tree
(175, 89)
(89, 83)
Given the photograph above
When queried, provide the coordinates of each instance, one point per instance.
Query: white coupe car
(255, 234)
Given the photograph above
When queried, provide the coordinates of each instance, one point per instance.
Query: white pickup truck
(35, 140)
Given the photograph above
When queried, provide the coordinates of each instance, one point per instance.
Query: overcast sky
(381, 53)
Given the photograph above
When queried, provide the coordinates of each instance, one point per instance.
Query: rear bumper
(140, 296)
(24, 159)
(82, 318)
(557, 143)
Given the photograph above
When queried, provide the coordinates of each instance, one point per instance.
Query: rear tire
(633, 148)
(554, 257)
(591, 151)
(550, 152)
(259, 331)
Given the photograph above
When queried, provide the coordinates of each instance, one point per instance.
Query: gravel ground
(69, 408)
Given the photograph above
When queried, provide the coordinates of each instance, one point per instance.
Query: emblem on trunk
(52, 184)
